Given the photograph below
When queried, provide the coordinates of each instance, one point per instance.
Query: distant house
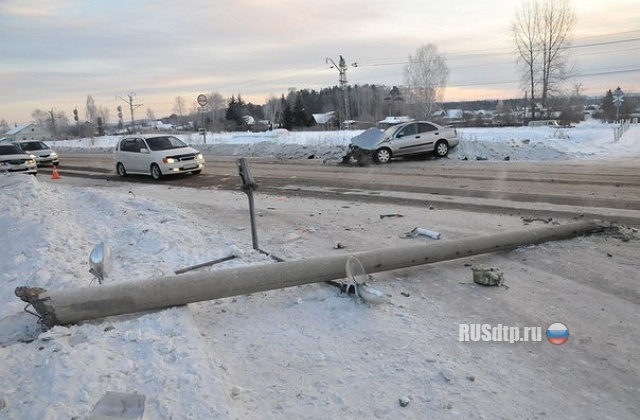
(27, 132)
(590, 110)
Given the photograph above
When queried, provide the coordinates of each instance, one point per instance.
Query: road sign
(202, 100)
(618, 97)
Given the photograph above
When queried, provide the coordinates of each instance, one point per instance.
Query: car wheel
(442, 148)
(382, 155)
(196, 172)
(156, 173)
(121, 170)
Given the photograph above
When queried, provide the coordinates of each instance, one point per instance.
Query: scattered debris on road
(382, 216)
(418, 231)
(487, 276)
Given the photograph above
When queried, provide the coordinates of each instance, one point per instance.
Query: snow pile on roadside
(65, 371)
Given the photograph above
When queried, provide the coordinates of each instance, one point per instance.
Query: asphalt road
(606, 189)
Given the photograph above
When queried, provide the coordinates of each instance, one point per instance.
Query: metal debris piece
(382, 216)
(415, 232)
(205, 264)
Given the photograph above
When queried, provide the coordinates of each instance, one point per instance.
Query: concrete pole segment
(59, 307)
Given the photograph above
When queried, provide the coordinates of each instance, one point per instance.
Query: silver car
(43, 153)
(13, 159)
(156, 155)
(411, 138)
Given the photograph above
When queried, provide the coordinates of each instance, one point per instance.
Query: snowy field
(304, 352)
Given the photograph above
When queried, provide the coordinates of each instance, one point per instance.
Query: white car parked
(41, 150)
(13, 159)
(156, 155)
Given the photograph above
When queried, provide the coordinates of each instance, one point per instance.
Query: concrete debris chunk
(487, 276)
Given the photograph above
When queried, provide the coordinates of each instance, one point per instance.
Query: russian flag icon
(557, 333)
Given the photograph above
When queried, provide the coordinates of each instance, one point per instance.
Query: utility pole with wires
(342, 71)
(132, 106)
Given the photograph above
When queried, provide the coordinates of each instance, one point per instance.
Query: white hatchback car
(156, 155)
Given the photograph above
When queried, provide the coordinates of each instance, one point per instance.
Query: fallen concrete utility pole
(59, 307)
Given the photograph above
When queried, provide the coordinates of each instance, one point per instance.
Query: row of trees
(294, 111)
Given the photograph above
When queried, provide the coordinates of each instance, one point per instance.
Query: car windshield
(33, 145)
(388, 133)
(165, 143)
(10, 149)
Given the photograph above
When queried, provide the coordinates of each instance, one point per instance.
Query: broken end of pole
(45, 314)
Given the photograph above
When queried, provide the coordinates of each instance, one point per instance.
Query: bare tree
(273, 109)
(92, 110)
(4, 126)
(556, 24)
(217, 102)
(180, 108)
(426, 77)
(104, 113)
(53, 121)
(525, 33)
(541, 34)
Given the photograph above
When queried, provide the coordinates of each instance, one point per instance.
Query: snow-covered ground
(304, 352)
(588, 140)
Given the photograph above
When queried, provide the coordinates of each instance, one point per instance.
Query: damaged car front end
(407, 139)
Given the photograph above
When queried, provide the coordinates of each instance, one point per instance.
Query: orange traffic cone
(55, 174)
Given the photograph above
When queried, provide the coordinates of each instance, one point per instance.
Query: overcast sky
(54, 53)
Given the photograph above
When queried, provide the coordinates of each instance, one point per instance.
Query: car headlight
(168, 160)
(199, 156)
(54, 155)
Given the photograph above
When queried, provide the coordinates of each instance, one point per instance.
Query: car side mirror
(100, 261)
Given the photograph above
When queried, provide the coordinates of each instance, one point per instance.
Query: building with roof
(27, 132)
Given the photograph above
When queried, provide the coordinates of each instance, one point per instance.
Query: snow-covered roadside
(306, 352)
(588, 140)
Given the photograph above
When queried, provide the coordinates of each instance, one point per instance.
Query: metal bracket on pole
(248, 185)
